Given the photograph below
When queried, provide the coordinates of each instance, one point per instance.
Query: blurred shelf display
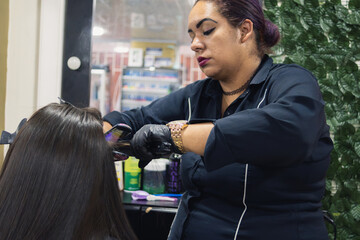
(147, 90)
(147, 79)
(99, 88)
(140, 86)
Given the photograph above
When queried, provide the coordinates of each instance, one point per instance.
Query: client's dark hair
(58, 180)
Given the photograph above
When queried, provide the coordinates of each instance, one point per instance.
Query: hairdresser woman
(256, 145)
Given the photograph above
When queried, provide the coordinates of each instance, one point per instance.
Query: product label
(132, 174)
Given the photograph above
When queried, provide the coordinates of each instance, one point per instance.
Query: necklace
(243, 87)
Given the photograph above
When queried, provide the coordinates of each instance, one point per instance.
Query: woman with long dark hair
(58, 180)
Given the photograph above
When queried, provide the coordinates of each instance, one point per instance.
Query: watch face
(176, 127)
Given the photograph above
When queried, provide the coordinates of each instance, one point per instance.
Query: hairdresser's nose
(197, 45)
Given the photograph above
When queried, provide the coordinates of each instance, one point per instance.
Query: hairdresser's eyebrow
(201, 22)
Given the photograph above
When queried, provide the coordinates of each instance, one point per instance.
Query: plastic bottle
(119, 174)
(154, 176)
(173, 178)
(132, 174)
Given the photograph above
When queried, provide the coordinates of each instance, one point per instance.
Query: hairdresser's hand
(152, 141)
(106, 126)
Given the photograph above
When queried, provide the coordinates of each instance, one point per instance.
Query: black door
(77, 50)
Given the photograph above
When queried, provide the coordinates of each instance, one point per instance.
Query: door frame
(75, 87)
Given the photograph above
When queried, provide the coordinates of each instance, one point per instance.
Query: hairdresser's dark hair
(236, 11)
(58, 180)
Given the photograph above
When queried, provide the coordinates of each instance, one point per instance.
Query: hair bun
(271, 34)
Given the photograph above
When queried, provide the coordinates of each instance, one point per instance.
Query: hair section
(58, 180)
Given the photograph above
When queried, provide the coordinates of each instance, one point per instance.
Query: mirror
(140, 52)
(112, 35)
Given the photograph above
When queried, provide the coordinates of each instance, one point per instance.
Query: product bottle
(132, 174)
(154, 176)
(119, 174)
(173, 179)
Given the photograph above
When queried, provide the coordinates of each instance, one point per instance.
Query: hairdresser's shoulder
(291, 71)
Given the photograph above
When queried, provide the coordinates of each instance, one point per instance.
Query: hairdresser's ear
(246, 30)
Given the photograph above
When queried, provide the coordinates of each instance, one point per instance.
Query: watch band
(176, 127)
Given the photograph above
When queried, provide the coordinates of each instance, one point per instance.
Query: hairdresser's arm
(194, 139)
(288, 129)
(195, 136)
(161, 111)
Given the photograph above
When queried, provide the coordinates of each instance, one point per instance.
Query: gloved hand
(152, 141)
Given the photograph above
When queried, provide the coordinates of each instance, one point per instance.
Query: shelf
(137, 103)
(141, 86)
(151, 79)
(154, 91)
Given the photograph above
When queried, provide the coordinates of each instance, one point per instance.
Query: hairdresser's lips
(202, 61)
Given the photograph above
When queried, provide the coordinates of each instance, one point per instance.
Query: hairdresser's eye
(208, 32)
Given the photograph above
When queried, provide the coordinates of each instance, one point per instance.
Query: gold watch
(176, 127)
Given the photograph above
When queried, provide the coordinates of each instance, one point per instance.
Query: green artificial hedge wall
(324, 37)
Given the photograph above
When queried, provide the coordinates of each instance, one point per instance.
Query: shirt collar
(262, 71)
(213, 88)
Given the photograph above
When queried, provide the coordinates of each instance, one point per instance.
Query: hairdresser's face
(215, 42)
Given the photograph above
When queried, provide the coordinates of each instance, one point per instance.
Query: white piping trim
(244, 198)
(262, 99)
(189, 102)
(245, 183)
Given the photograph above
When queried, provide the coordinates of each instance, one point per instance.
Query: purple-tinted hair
(235, 11)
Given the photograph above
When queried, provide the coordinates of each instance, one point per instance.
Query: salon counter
(149, 219)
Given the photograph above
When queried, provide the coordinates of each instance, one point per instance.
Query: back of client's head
(58, 179)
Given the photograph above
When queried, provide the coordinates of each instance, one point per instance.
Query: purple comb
(143, 195)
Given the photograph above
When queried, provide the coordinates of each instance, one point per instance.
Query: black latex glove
(152, 141)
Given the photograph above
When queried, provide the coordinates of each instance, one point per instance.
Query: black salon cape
(263, 173)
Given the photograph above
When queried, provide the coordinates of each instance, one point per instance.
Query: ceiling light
(98, 31)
